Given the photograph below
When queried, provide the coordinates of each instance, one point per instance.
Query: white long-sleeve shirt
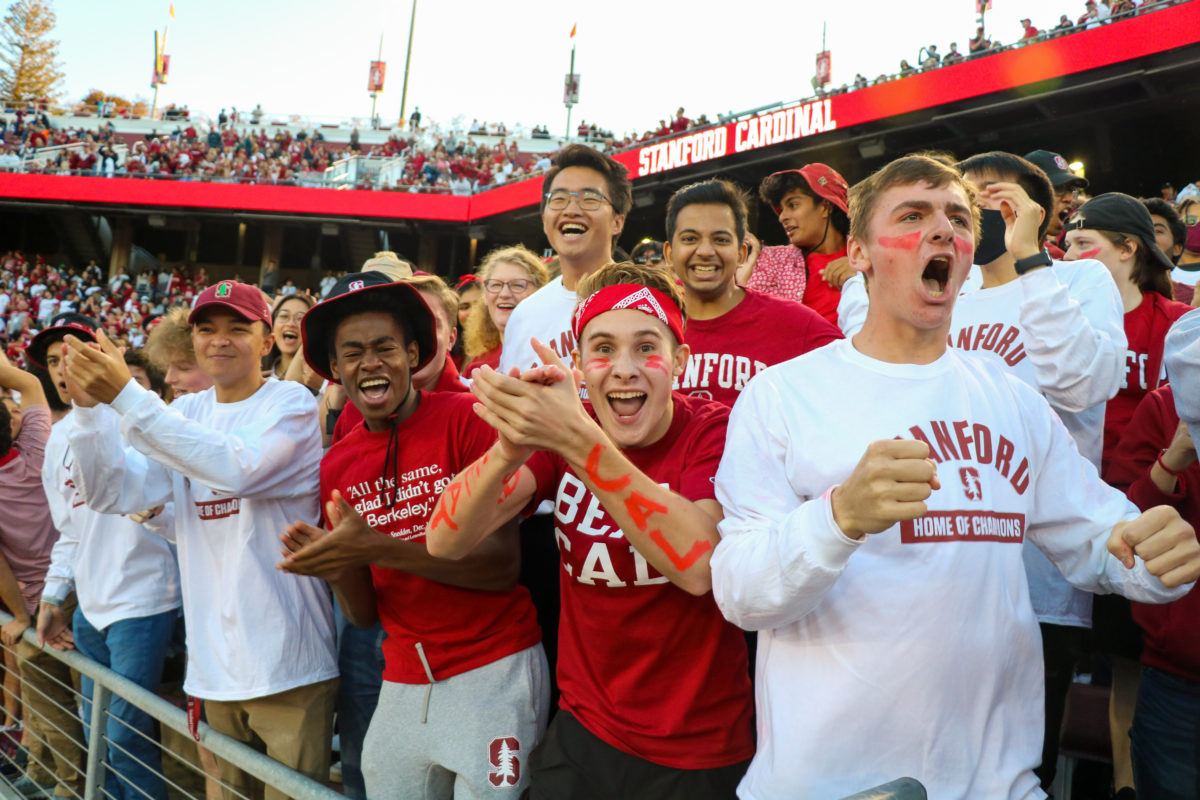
(238, 473)
(118, 568)
(914, 651)
(1060, 330)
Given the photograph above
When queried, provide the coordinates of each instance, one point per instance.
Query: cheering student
(811, 205)
(241, 462)
(655, 692)
(875, 543)
(585, 197)
(1117, 230)
(1057, 327)
(456, 631)
(732, 333)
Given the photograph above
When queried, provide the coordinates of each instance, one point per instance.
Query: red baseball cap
(826, 183)
(241, 298)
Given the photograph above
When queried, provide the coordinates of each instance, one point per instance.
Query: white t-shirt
(545, 314)
(1185, 276)
(1061, 330)
(914, 651)
(239, 473)
(119, 569)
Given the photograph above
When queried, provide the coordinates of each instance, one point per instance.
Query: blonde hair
(170, 340)
(931, 169)
(613, 273)
(434, 285)
(480, 333)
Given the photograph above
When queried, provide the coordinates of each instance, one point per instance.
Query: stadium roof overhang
(1072, 89)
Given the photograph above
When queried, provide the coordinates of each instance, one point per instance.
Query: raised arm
(18, 380)
(111, 477)
(674, 534)
(253, 461)
(1075, 333)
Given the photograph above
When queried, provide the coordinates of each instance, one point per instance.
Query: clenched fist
(1163, 540)
(890, 484)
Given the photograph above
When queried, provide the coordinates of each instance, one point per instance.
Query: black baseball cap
(1056, 169)
(346, 297)
(1119, 213)
(77, 325)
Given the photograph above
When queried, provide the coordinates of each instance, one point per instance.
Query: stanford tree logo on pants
(504, 755)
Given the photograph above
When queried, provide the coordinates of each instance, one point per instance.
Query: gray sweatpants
(479, 729)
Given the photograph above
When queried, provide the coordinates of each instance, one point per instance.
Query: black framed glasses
(588, 199)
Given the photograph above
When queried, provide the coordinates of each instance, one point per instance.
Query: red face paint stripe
(909, 241)
(1095, 251)
(657, 362)
(964, 245)
(597, 363)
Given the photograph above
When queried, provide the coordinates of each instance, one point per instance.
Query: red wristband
(1165, 468)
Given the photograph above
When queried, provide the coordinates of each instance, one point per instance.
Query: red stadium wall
(1158, 31)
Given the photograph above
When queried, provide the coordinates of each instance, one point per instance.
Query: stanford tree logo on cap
(356, 285)
(224, 289)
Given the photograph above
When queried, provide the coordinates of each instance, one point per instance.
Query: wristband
(1023, 265)
(1164, 467)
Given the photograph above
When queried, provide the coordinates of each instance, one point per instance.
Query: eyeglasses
(588, 199)
(518, 286)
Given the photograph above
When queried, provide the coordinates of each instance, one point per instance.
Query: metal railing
(108, 685)
(901, 789)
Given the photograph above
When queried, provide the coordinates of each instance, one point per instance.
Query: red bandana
(630, 295)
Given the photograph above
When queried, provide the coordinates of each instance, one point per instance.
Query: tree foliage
(117, 105)
(29, 67)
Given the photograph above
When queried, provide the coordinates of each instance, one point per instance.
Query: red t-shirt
(819, 295)
(491, 358)
(351, 416)
(1169, 630)
(458, 629)
(1145, 328)
(648, 668)
(759, 331)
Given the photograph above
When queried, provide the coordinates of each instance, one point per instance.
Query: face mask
(991, 239)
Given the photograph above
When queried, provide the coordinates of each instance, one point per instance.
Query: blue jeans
(133, 648)
(1166, 737)
(360, 662)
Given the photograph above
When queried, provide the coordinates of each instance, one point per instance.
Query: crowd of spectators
(437, 160)
(33, 291)
(747, 307)
(930, 57)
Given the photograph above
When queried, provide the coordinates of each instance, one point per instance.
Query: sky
(504, 60)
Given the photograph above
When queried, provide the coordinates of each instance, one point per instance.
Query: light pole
(412, 22)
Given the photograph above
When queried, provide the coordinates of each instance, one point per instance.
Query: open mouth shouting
(374, 390)
(936, 276)
(626, 405)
